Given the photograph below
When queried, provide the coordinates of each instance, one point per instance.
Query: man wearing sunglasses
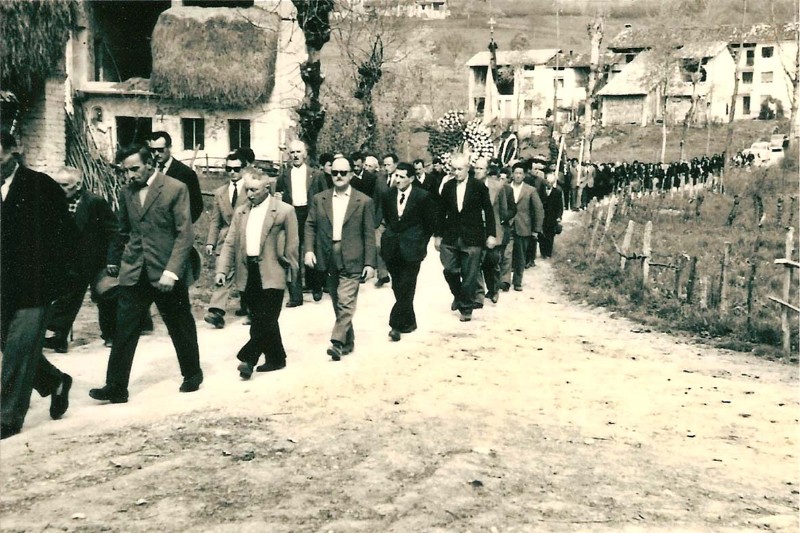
(226, 199)
(340, 240)
(160, 144)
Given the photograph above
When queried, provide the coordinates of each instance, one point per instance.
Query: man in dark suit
(156, 232)
(341, 229)
(37, 245)
(409, 215)
(98, 230)
(227, 198)
(426, 180)
(160, 144)
(363, 179)
(553, 202)
(298, 183)
(383, 185)
(260, 247)
(466, 224)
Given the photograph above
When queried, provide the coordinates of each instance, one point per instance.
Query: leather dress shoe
(347, 349)
(8, 431)
(240, 312)
(394, 335)
(291, 303)
(317, 295)
(335, 351)
(59, 402)
(408, 330)
(109, 394)
(270, 367)
(518, 288)
(454, 305)
(192, 383)
(245, 370)
(215, 319)
(466, 315)
(108, 343)
(505, 286)
(58, 343)
(494, 297)
(382, 281)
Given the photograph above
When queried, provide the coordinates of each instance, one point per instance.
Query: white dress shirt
(340, 201)
(421, 178)
(143, 191)
(7, 183)
(401, 206)
(517, 191)
(299, 175)
(461, 189)
(167, 164)
(255, 223)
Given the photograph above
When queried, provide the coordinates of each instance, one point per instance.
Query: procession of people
(270, 240)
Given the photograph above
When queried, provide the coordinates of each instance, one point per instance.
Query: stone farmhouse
(423, 9)
(767, 56)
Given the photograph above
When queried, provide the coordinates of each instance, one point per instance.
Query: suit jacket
(553, 209)
(512, 211)
(315, 183)
(358, 231)
(280, 246)
(157, 236)
(406, 238)
(365, 182)
(37, 242)
(431, 183)
(188, 177)
(530, 212)
(382, 188)
(98, 233)
(474, 223)
(499, 199)
(222, 215)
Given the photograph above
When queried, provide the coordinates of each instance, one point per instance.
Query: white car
(765, 153)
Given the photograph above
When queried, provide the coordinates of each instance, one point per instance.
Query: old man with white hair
(98, 229)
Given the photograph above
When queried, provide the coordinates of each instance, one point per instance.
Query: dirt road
(539, 415)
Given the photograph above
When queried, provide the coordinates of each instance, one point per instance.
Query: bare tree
(791, 69)
(595, 29)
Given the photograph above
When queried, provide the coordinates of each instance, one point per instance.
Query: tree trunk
(795, 119)
(596, 36)
(664, 127)
(689, 118)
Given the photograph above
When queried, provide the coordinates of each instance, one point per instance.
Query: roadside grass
(678, 233)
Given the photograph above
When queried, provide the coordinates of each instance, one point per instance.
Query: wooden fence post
(599, 214)
(779, 212)
(786, 326)
(758, 205)
(704, 292)
(626, 243)
(609, 218)
(792, 209)
(751, 281)
(723, 279)
(734, 211)
(647, 249)
(691, 281)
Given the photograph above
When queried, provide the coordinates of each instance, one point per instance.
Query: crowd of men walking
(311, 230)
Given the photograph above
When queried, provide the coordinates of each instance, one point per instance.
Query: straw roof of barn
(635, 79)
(218, 57)
(639, 38)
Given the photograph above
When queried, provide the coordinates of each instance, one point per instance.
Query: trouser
(506, 260)
(381, 270)
(491, 269)
(313, 278)
(462, 266)
(546, 242)
(404, 285)
(574, 198)
(64, 310)
(175, 310)
(221, 294)
(343, 289)
(24, 368)
(265, 308)
(530, 250)
(519, 259)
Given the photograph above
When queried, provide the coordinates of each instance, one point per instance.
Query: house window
(133, 130)
(193, 133)
(750, 58)
(766, 77)
(766, 51)
(745, 105)
(560, 83)
(239, 134)
(747, 77)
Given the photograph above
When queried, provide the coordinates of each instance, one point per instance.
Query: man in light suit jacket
(156, 232)
(98, 231)
(341, 228)
(465, 226)
(298, 183)
(527, 224)
(409, 214)
(226, 198)
(261, 246)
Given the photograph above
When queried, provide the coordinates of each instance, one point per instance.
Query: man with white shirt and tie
(226, 199)
(466, 224)
(340, 234)
(409, 215)
(298, 184)
(160, 144)
(261, 250)
(152, 261)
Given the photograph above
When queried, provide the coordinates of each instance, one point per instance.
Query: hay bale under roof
(215, 57)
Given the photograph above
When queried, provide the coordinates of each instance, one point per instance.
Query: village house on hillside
(215, 78)
(528, 84)
(424, 9)
(768, 62)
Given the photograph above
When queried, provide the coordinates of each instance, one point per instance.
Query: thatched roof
(639, 38)
(220, 57)
(33, 36)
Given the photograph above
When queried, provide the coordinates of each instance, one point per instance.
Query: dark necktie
(161, 167)
(402, 198)
(235, 195)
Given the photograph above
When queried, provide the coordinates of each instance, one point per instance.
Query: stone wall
(43, 128)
